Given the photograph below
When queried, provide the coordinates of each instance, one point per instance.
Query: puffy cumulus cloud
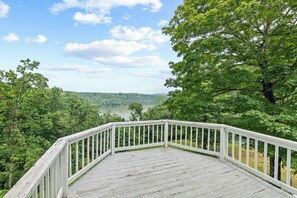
(4, 9)
(11, 37)
(114, 53)
(76, 68)
(91, 18)
(104, 48)
(40, 39)
(102, 7)
(130, 61)
(162, 23)
(143, 34)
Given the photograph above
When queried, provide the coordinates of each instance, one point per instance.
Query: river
(122, 110)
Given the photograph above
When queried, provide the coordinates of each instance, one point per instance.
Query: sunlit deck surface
(169, 172)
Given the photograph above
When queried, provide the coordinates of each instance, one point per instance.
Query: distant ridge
(122, 99)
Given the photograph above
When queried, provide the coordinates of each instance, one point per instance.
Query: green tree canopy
(238, 63)
(136, 111)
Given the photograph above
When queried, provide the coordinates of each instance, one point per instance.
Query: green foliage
(122, 99)
(33, 116)
(157, 112)
(238, 64)
(136, 111)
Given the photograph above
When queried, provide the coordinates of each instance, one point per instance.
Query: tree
(136, 111)
(238, 64)
(14, 85)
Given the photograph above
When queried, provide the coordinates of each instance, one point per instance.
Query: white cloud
(162, 23)
(52, 75)
(126, 16)
(11, 37)
(4, 9)
(144, 34)
(113, 52)
(40, 39)
(104, 48)
(77, 68)
(129, 61)
(102, 8)
(91, 18)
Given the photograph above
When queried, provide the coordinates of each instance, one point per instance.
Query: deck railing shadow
(72, 156)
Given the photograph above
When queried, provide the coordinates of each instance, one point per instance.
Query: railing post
(64, 170)
(112, 140)
(166, 134)
(222, 143)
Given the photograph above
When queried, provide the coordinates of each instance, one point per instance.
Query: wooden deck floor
(169, 172)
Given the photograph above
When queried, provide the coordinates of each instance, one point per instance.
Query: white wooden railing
(73, 155)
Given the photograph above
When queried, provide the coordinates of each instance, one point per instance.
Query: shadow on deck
(169, 172)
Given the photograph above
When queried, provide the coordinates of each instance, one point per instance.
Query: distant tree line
(122, 99)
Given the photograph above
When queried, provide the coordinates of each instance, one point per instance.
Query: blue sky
(90, 45)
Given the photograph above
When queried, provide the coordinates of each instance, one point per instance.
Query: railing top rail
(198, 124)
(33, 176)
(263, 137)
(137, 123)
(88, 132)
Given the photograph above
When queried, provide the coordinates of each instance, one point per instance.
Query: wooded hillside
(122, 99)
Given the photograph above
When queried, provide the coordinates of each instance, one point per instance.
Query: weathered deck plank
(169, 172)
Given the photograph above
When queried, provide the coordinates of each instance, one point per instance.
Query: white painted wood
(134, 133)
(191, 136)
(186, 135)
(64, 170)
(119, 136)
(276, 155)
(81, 135)
(265, 159)
(41, 188)
(47, 183)
(60, 193)
(148, 134)
(202, 138)
(52, 182)
(139, 147)
(124, 136)
(247, 149)
(162, 128)
(129, 131)
(169, 173)
(265, 138)
(76, 157)
(222, 144)
(153, 134)
(239, 147)
(233, 147)
(143, 135)
(139, 129)
(87, 167)
(101, 148)
(288, 171)
(264, 176)
(108, 140)
(208, 139)
(70, 160)
(256, 155)
(215, 141)
(97, 144)
(166, 134)
(93, 148)
(175, 133)
(88, 150)
(171, 132)
(180, 134)
(112, 141)
(208, 152)
(82, 153)
(196, 143)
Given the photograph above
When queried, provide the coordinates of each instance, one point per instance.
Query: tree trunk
(10, 173)
(268, 92)
(272, 165)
